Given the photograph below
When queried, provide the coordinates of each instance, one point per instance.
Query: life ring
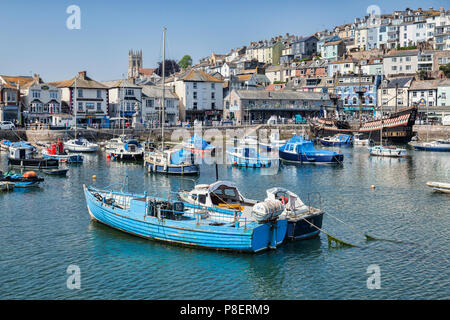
(283, 199)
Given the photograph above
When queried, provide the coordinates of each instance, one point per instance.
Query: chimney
(36, 77)
(82, 75)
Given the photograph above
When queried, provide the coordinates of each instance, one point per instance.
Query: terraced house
(10, 98)
(86, 98)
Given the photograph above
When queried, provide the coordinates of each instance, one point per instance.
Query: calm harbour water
(44, 230)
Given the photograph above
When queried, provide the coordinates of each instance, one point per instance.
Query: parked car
(7, 125)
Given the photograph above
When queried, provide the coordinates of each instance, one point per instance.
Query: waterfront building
(10, 98)
(152, 105)
(125, 99)
(346, 89)
(442, 31)
(260, 105)
(200, 95)
(92, 99)
(423, 94)
(333, 50)
(393, 93)
(41, 101)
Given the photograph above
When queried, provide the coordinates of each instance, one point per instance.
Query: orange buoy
(30, 174)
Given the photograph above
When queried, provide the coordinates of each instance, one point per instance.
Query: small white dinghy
(439, 186)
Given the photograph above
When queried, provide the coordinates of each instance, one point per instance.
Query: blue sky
(34, 37)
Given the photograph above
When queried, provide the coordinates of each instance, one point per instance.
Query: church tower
(134, 63)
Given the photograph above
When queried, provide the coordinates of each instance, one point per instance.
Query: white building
(125, 99)
(200, 94)
(400, 62)
(152, 106)
(42, 101)
(90, 96)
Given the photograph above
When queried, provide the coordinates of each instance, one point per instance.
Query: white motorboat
(359, 140)
(439, 186)
(303, 221)
(387, 151)
(80, 145)
(127, 149)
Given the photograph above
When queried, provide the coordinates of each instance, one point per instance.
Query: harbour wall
(286, 131)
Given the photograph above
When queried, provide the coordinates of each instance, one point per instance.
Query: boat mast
(163, 87)
(122, 107)
(76, 106)
(381, 126)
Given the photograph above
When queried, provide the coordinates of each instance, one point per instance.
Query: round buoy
(94, 177)
(372, 187)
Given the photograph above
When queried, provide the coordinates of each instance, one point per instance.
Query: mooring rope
(330, 237)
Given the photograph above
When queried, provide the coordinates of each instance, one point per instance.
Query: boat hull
(128, 156)
(303, 158)
(302, 230)
(192, 169)
(36, 164)
(430, 148)
(249, 239)
(335, 143)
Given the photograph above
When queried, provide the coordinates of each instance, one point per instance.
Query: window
(408, 59)
(90, 106)
(430, 103)
(430, 93)
(128, 92)
(213, 86)
(99, 93)
(54, 94)
(394, 68)
(408, 67)
(194, 94)
(36, 93)
(443, 95)
(99, 106)
(213, 95)
(194, 106)
(422, 94)
(80, 93)
(150, 103)
(80, 106)
(394, 59)
(194, 85)
(213, 106)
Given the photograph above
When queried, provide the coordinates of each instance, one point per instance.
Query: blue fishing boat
(176, 222)
(27, 180)
(339, 140)
(248, 157)
(438, 145)
(175, 161)
(299, 150)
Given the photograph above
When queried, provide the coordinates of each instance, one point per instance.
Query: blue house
(347, 91)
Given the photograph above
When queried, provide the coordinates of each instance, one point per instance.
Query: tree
(446, 69)
(185, 62)
(170, 66)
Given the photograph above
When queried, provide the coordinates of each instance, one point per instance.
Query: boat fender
(269, 209)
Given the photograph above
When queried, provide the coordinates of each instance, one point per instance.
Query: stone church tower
(134, 63)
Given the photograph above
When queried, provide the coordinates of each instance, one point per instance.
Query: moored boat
(299, 150)
(196, 144)
(439, 186)
(303, 221)
(27, 180)
(339, 140)
(56, 151)
(359, 139)
(437, 145)
(180, 223)
(388, 151)
(127, 149)
(80, 145)
(175, 161)
(248, 157)
(23, 157)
